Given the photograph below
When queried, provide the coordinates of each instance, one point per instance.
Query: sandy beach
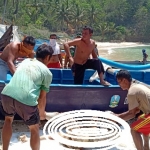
(19, 128)
(106, 50)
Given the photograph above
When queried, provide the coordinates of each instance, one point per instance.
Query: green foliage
(111, 20)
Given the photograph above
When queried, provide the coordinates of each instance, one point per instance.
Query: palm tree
(92, 13)
(78, 17)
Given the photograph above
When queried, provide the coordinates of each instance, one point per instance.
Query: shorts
(54, 65)
(142, 125)
(9, 107)
(78, 70)
(3, 70)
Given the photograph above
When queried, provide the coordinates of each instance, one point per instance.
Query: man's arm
(42, 104)
(94, 54)
(10, 61)
(60, 59)
(70, 43)
(129, 114)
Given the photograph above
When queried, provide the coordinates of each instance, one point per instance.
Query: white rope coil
(86, 129)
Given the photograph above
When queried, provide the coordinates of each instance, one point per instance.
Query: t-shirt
(139, 96)
(30, 78)
(56, 49)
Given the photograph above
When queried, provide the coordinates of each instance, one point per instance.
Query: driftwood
(5, 39)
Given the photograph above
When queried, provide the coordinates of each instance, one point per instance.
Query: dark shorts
(9, 107)
(78, 70)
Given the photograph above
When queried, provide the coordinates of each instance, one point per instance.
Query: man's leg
(79, 74)
(146, 142)
(7, 132)
(7, 109)
(35, 137)
(96, 64)
(30, 114)
(137, 139)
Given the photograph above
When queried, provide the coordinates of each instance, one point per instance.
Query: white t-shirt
(56, 49)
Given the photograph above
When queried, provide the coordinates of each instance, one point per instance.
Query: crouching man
(138, 99)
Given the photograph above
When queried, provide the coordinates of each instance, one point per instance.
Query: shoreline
(107, 45)
(108, 50)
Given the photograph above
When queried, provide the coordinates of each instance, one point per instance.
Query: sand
(17, 126)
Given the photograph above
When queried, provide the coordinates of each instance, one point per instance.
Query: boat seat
(67, 77)
(88, 73)
(57, 75)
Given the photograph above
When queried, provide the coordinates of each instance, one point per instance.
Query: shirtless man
(84, 47)
(12, 52)
(72, 50)
(56, 60)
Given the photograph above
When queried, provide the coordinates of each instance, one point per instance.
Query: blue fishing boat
(65, 96)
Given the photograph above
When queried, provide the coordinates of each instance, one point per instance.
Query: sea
(125, 51)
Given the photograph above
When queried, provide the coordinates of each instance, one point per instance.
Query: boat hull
(62, 98)
(65, 96)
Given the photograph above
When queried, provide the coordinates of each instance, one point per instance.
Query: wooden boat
(65, 96)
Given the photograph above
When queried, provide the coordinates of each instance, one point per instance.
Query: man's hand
(42, 115)
(71, 60)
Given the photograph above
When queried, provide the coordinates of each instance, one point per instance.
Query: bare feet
(105, 83)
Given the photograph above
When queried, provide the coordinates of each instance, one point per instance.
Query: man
(72, 51)
(138, 99)
(145, 56)
(56, 60)
(13, 51)
(25, 95)
(84, 47)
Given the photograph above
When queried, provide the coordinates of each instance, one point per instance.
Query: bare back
(10, 49)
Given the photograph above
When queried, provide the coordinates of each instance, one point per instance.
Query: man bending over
(25, 95)
(12, 52)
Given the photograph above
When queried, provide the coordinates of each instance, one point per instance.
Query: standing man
(138, 99)
(12, 52)
(145, 56)
(56, 60)
(25, 95)
(84, 47)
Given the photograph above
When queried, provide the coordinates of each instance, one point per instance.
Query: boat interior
(65, 77)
